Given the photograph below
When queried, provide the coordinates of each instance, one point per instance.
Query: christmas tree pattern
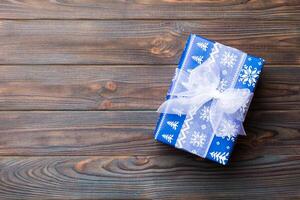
(202, 45)
(168, 137)
(220, 157)
(173, 124)
(198, 59)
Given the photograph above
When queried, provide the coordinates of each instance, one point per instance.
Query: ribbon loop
(200, 86)
(216, 94)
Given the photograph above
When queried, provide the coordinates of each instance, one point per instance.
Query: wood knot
(82, 165)
(106, 104)
(141, 160)
(111, 86)
(164, 47)
(95, 86)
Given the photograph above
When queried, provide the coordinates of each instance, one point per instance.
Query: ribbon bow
(201, 85)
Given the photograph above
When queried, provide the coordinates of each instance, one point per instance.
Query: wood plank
(140, 42)
(157, 9)
(131, 133)
(132, 87)
(150, 177)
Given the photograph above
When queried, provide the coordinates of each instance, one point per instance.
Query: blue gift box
(194, 133)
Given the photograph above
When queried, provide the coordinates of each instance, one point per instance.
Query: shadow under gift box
(194, 133)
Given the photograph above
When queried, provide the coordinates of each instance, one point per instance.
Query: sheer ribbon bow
(200, 86)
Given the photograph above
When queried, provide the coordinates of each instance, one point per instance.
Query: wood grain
(150, 177)
(157, 9)
(92, 87)
(131, 133)
(140, 42)
(80, 79)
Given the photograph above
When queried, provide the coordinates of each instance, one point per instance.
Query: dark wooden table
(80, 82)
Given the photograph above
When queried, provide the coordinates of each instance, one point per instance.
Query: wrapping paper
(208, 99)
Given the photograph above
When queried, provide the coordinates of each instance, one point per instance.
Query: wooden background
(80, 81)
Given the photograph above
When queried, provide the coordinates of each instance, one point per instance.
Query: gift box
(208, 99)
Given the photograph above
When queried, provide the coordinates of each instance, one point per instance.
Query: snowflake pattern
(228, 59)
(198, 59)
(223, 85)
(204, 113)
(202, 45)
(224, 72)
(198, 139)
(227, 128)
(229, 138)
(249, 75)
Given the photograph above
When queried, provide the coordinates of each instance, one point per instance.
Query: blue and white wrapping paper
(195, 131)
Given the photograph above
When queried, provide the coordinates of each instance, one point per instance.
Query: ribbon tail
(220, 121)
(183, 105)
(242, 131)
(175, 106)
(215, 115)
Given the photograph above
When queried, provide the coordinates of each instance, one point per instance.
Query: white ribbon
(200, 86)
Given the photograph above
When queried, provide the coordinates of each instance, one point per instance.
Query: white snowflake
(228, 59)
(168, 137)
(228, 147)
(227, 128)
(203, 126)
(204, 113)
(248, 75)
(173, 124)
(202, 45)
(259, 63)
(224, 72)
(220, 157)
(198, 59)
(218, 143)
(198, 139)
(222, 86)
(229, 138)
